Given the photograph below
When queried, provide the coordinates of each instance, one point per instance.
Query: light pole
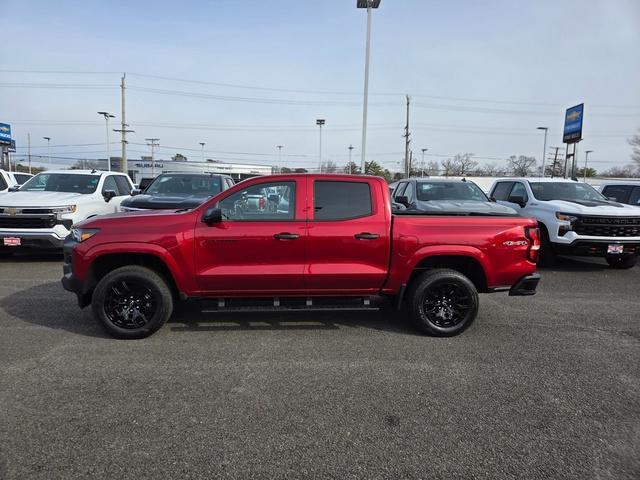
(48, 139)
(544, 148)
(586, 159)
(154, 142)
(320, 123)
(350, 162)
(107, 116)
(279, 147)
(422, 165)
(368, 4)
(202, 144)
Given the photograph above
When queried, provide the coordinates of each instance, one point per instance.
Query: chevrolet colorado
(328, 242)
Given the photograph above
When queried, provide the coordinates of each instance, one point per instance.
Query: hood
(39, 199)
(169, 202)
(595, 207)
(465, 206)
(111, 218)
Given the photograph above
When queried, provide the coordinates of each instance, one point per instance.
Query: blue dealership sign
(573, 124)
(5, 134)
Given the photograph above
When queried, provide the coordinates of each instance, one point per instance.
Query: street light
(586, 159)
(544, 148)
(202, 144)
(350, 162)
(368, 4)
(107, 116)
(320, 123)
(48, 139)
(422, 165)
(279, 147)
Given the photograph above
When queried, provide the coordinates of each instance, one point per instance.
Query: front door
(259, 247)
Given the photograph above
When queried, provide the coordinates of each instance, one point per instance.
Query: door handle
(286, 236)
(367, 236)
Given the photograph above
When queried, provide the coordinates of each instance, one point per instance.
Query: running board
(226, 305)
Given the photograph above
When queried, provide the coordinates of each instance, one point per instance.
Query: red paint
(240, 258)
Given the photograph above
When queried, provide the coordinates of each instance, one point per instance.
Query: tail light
(533, 252)
(262, 203)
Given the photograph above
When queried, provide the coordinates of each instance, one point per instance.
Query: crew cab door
(348, 242)
(511, 194)
(259, 246)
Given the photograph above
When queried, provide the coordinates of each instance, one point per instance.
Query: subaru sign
(5, 134)
(573, 124)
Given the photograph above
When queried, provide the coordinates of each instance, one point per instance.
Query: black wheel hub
(446, 304)
(130, 303)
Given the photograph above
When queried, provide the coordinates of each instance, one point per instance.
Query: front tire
(132, 302)
(442, 302)
(622, 262)
(548, 256)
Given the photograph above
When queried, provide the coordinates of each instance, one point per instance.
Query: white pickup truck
(574, 219)
(41, 212)
(12, 179)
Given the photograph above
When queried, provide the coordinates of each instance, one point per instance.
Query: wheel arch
(467, 265)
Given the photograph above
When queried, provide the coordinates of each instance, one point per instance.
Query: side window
(619, 192)
(229, 182)
(261, 202)
(3, 183)
(399, 191)
(501, 190)
(109, 184)
(21, 178)
(519, 191)
(341, 200)
(408, 192)
(124, 188)
(634, 199)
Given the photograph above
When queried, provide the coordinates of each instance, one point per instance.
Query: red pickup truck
(315, 242)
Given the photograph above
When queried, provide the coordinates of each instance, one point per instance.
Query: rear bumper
(31, 239)
(596, 248)
(525, 286)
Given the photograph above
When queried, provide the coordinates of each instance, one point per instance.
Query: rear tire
(132, 302)
(442, 302)
(622, 262)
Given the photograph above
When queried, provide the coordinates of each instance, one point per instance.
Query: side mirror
(613, 199)
(403, 200)
(518, 199)
(212, 215)
(108, 195)
(15, 188)
(135, 191)
(492, 199)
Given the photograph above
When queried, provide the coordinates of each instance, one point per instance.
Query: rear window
(21, 178)
(341, 200)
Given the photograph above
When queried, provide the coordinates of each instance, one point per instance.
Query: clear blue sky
(483, 75)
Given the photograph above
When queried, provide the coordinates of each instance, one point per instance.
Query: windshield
(62, 182)
(429, 191)
(565, 191)
(185, 185)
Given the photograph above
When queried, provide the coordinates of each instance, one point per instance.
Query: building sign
(12, 146)
(5, 134)
(149, 165)
(573, 124)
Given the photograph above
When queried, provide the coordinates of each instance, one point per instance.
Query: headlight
(82, 234)
(65, 209)
(565, 217)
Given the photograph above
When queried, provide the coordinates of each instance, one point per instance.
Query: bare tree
(433, 168)
(464, 163)
(329, 167)
(635, 144)
(626, 171)
(521, 166)
(448, 167)
(490, 170)
(86, 165)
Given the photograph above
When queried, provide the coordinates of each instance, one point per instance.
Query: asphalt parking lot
(539, 387)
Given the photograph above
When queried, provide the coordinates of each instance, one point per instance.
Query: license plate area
(615, 249)
(11, 241)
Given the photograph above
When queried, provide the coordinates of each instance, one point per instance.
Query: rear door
(255, 250)
(348, 236)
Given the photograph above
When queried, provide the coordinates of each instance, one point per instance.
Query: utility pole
(29, 149)
(422, 165)
(153, 142)
(202, 144)
(544, 148)
(279, 147)
(555, 162)
(586, 160)
(406, 136)
(350, 162)
(48, 139)
(320, 123)
(123, 128)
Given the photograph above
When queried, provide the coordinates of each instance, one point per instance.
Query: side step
(297, 304)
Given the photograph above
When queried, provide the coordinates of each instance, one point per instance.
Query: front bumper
(70, 282)
(34, 239)
(525, 286)
(596, 248)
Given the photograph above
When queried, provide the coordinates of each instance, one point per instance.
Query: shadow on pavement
(25, 256)
(577, 264)
(48, 305)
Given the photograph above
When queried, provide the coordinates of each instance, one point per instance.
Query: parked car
(621, 191)
(42, 212)
(176, 191)
(335, 245)
(437, 195)
(11, 180)
(574, 219)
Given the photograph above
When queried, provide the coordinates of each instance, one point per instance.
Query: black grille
(608, 226)
(27, 222)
